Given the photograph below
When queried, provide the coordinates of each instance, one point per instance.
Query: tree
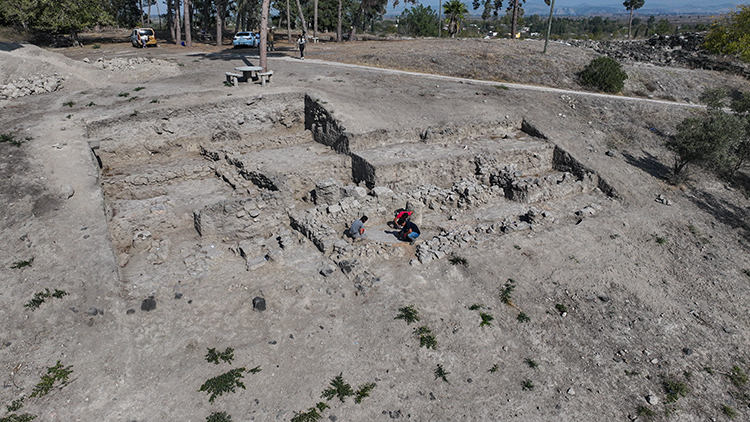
(731, 35)
(713, 139)
(56, 16)
(604, 73)
(455, 11)
(632, 6)
(420, 21)
(663, 27)
(188, 27)
(492, 7)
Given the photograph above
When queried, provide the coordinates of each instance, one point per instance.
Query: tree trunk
(338, 28)
(188, 27)
(140, 9)
(262, 48)
(302, 18)
(158, 14)
(148, 15)
(206, 16)
(288, 23)
(219, 21)
(514, 21)
(630, 21)
(177, 29)
(315, 20)
(170, 18)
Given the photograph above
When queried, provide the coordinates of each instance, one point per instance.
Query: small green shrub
(506, 291)
(632, 373)
(21, 264)
(561, 308)
(213, 356)
(476, 307)
(133, 98)
(40, 297)
(644, 411)
(709, 369)
(68, 116)
(426, 338)
(139, 88)
(659, 240)
(154, 101)
(18, 418)
(123, 94)
(501, 86)
(517, 247)
(604, 74)
(731, 413)
(224, 383)
(69, 103)
(91, 104)
(339, 388)
(441, 373)
(527, 385)
(363, 392)
(408, 314)
(10, 138)
(737, 376)
(219, 417)
(134, 113)
(486, 319)
(494, 369)
(15, 405)
(458, 260)
(531, 363)
(522, 317)
(54, 374)
(96, 46)
(614, 236)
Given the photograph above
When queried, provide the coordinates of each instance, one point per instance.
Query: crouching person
(409, 232)
(357, 230)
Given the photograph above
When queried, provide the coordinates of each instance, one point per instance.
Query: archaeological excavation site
(273, 185)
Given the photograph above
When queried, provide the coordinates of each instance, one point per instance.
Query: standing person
(409, 233)
(357, 230)
(271, 35)
(301, 44)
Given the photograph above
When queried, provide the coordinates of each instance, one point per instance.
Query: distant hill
(650, 8)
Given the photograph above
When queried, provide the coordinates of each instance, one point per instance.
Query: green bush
(604, 74)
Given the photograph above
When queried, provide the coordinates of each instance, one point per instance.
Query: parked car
(143, 36)
(246, 39)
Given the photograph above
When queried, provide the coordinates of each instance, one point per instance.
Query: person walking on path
(301, 44)
(357, 230)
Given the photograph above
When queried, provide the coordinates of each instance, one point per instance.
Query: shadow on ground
(650, 164)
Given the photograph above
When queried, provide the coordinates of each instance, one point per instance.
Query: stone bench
(265, 77)
(233, 78)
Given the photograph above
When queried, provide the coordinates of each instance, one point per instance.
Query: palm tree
(455, 11)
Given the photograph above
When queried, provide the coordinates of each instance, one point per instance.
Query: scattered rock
(652, 399)
(92, 311)
(148, 304)
(130, 311)
(571, 391)
(66, 191)
(259, 304)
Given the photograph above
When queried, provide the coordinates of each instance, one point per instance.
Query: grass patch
(644, 411)
(139, 88)
(69, 103)
(426, 338)
(96, 46)
(632, 373)
(494, 369)
(339, 388)
(123, 94)
(476, 307)
(459, 260)
(224, 383)
(501, 86)
(527, 385)
(312, 415)
(561, 308)
(54, 374)
(408, 314)
(674, 390)
(91, 104)
(614, 236)
(134, 113)
(363, 392)
(659, 240)
(213, 356)
(10, 139)
(18, 418)
(506, 292)
(40, 297)
(737, 376)
(133, 98)
(21, 264)
(154, 101)
(517, 247)
(68, 116)
(731, 413)
(709, 370)
(522, 317)
(15, 405)
(441, 373)
(486, 319)
(531, 363)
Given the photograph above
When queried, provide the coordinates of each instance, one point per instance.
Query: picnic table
(249, 72)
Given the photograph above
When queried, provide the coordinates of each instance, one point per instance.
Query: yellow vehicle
(143, 37)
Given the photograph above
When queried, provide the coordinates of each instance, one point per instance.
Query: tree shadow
(231, 54)
(10, 46)
(650, 164)
(727, 213)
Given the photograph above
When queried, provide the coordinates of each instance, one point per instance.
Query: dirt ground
(632, 290)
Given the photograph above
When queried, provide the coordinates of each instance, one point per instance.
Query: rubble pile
(22, 87)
